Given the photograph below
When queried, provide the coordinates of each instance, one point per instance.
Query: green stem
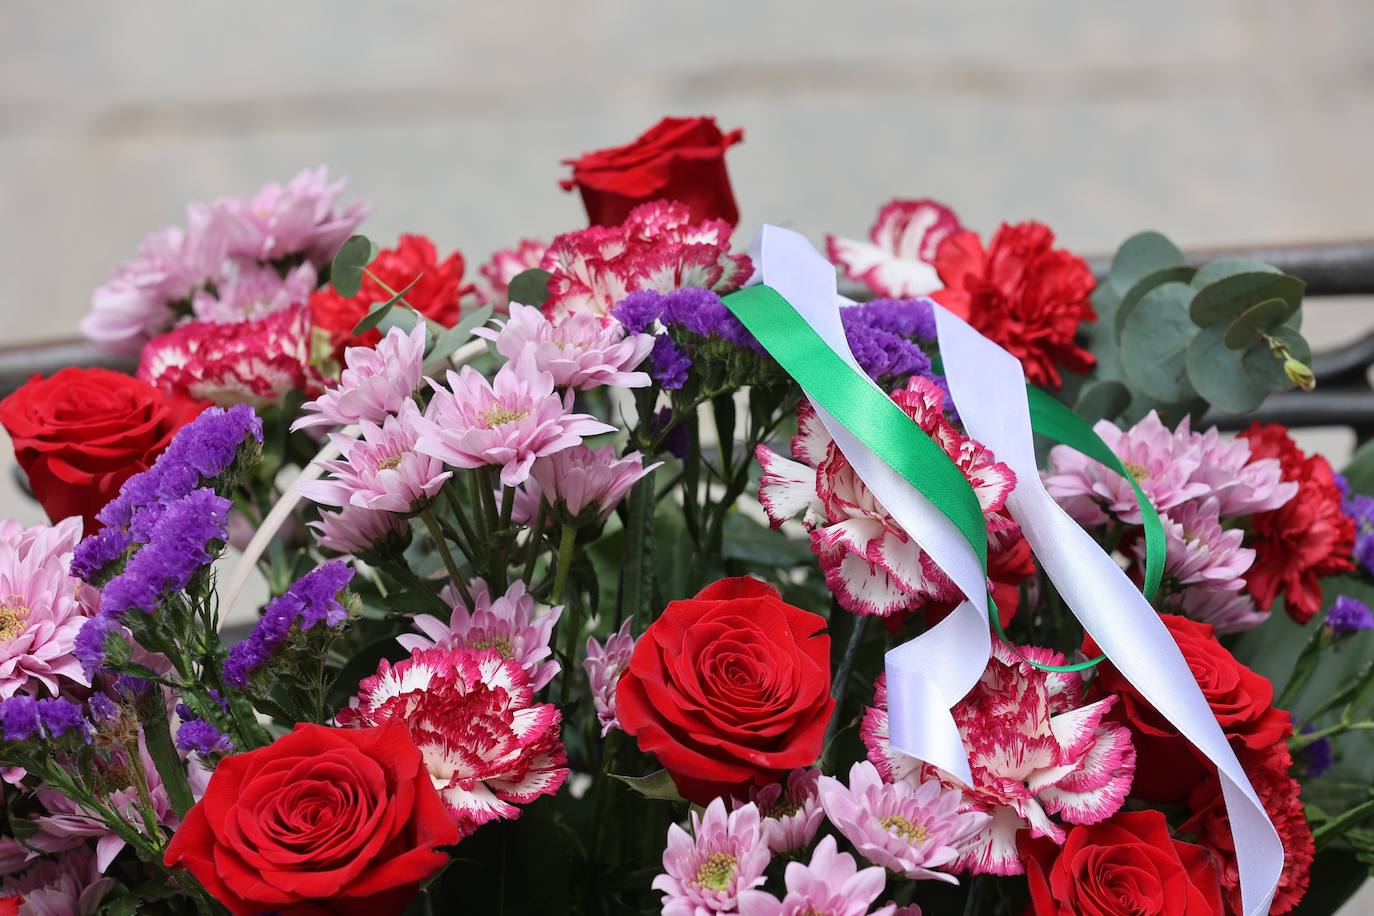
(437, 534)
(157, 735)
(637, 573)
(145, 799)
(532, 552)
(567, 541)
(1302, 670)
(456, 504)
(1344, 821)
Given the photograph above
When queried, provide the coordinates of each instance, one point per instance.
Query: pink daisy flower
(507, 422)
(300, 217)
(871, 564)
(580, 351)
(488, 745)
(913, 829)
(40, 608)
(831, 884)
(69, 885)
(251, 362)
(510, 624)
(354, 531)
(791, 810)
(374, 383)
(718, 867)
(1241, 484)
(1227, 607)
(604, 665)
(247, 290)
(505, 265)
(1033, 751)
(383, 470)
(1199, 550)
(582, 481)
(898, 260)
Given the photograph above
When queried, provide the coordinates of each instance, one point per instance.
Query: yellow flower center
(1137, 471)
(387, 464)
(717, 871)
(895, 823)
(14, 617)
(785, 807)
(500, 415)
(499, 643)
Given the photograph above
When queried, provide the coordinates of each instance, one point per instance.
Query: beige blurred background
(1215, 122)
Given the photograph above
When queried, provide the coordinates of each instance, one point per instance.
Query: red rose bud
(729, 689)
(323, 820)
(680, 159)
(80, 433)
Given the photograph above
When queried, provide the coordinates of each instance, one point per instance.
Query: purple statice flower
(180, 544)
(701, 312)
(89, 646)
(1360, 508)
(99, 550)
(880, 333)
(668, 364)
(60, 716)
(19, 718)
(1342, 483)
(1348, 615)
(1317, 755)
(203, 738)
(909, 318)
(103, 709)
(639, 311)
(23, 718)
(311, 599)
(678, 441)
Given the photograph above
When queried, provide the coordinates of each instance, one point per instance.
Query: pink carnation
(914, 829)
(253, 362)
(604, 665)
(488, 745)
(505, 265)
(791, 810)
(299, 218)
(718, 867)
(657, 247)
(40, 608)
(507, 422)
(581, 480)
(1033, 751)
(871, 564)
(898, 261)
(374, 383)
(830, 885)
(509, 624)
(580, 351)
(382, 470)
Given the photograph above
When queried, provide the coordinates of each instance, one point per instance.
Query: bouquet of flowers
(644, 574)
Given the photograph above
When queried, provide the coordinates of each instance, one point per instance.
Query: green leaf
(1360, 471)
(1221, 268)
(1215, 371)
(1224, 300)
(380, 309)
(1181, 274)
(1153, 340)
(1265, 369)
(658, 785)
(453, 338)
(1103, 399)
(529, 287)
(1140, 255)
(346, 273)
(757, 545)
(1244, 332)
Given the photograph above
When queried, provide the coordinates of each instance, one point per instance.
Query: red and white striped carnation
(898, 260)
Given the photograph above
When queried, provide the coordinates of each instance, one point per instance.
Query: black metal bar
(19, 364)
(1328, 268)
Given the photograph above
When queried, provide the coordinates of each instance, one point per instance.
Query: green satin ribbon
(876, 421)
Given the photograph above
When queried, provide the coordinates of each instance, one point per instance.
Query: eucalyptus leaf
(346, 273)
(381, 309)
(1104, 399)
(1244, 332)
(1215, 371)
(1359, 473)
(1139, 256)
(452, 338)
(1223, 301)
(1222, 268)
(657, 784)
(529, 287)
(1153, 341)
(1179, 274)
(1266, 370)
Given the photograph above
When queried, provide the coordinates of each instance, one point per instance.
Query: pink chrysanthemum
(355, 530)
(791, 810)
(299, 218)
(832, 884)
(69, 885)
(579, 351)
(718, 867)
(507, 422)
(383, 470)
(1227, 607)
(488, 745)
(510, 624)
(871, 564)
(40, 608)
(603, 665)
(373, 384)
(582, 480)
(1199, 550)
(657, 247)
(898, 261)
(252, 362)
(1033, 752)
(913, 829)
(505, 265)
(1241, 483)
(246, 290)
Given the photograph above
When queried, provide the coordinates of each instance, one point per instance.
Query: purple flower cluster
(1318, 756)
(23, 718)
(91, 640)
(311, 599)
(203, 738)
(694, 310)
(1360, 508)
(179, 544)
(881, 333)
(1347, 616)
(99, 550)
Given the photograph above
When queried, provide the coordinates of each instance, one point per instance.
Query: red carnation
(1023, 294)
(1303, 540)
(1168, 766)
(435, 294)
(1281, 797)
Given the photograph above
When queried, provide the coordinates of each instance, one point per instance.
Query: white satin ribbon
(929, 674)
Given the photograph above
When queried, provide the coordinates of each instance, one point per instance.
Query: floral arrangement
(582, 585)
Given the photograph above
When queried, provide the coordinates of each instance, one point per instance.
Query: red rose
(1168, 767)
(1303, 540)
(9, 906)
(1127, 864)
(435, 294)
(729, 689)
(80, 433)
(323, 820)
(1021, 293)
(680, 159)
